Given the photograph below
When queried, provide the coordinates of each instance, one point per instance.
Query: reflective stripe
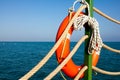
(68, 36)
(98, 52)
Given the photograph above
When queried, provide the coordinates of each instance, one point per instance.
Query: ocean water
(17, 58)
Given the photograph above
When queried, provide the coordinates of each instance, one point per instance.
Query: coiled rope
(95, 40)
(53, 73)
(51, 52)
(105, 72)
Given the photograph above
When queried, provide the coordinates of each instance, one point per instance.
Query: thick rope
(111, 49)
(51, 52)
(53, 73)
(81, 72)
(105, 72)
(106, 16)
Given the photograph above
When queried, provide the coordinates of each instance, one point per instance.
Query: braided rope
(95, 41)
(105, 72)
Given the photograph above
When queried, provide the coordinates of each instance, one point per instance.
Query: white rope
(111, 49)
(80, 73)
(105, 72)
(95, 41)
(106, 16)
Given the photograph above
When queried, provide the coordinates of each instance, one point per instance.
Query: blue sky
(39, 20)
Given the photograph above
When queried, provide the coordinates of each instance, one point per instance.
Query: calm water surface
(17, 58)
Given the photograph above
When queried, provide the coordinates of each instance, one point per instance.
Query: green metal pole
(87, 56)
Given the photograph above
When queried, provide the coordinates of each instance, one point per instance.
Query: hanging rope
(81, 72)
(105, 72)
(111, 49)
(106, 16)
(53, 73)
(95, 40)
(51, 52)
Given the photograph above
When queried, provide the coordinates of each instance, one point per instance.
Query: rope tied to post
(95, 40)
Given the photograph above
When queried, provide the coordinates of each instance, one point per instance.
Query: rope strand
(111, 49)
(81, 72)
(105, 72)
(106, 16)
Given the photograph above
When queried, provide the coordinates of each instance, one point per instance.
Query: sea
(17, 58)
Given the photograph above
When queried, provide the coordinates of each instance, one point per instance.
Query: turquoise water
(17, 58)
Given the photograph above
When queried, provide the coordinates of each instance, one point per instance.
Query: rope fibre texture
(95, 41)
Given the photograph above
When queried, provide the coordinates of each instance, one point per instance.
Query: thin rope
(51, 52)
(105, 72)
(70, 16)
(81, 72)
(111, 49)
(106, 16)
(53, 73)
(61, 55)
(62, 75)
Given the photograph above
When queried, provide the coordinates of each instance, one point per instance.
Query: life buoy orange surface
(70, 69)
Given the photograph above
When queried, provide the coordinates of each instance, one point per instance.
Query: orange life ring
(70, 69)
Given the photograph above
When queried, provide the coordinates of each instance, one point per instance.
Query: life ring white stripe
(68, 36)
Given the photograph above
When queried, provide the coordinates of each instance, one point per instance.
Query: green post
(87, 56)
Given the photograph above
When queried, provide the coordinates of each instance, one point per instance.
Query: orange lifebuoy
(70, 69)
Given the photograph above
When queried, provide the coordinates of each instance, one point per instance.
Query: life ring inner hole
(78, 57)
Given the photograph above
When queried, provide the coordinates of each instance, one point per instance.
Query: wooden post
(87, 56)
